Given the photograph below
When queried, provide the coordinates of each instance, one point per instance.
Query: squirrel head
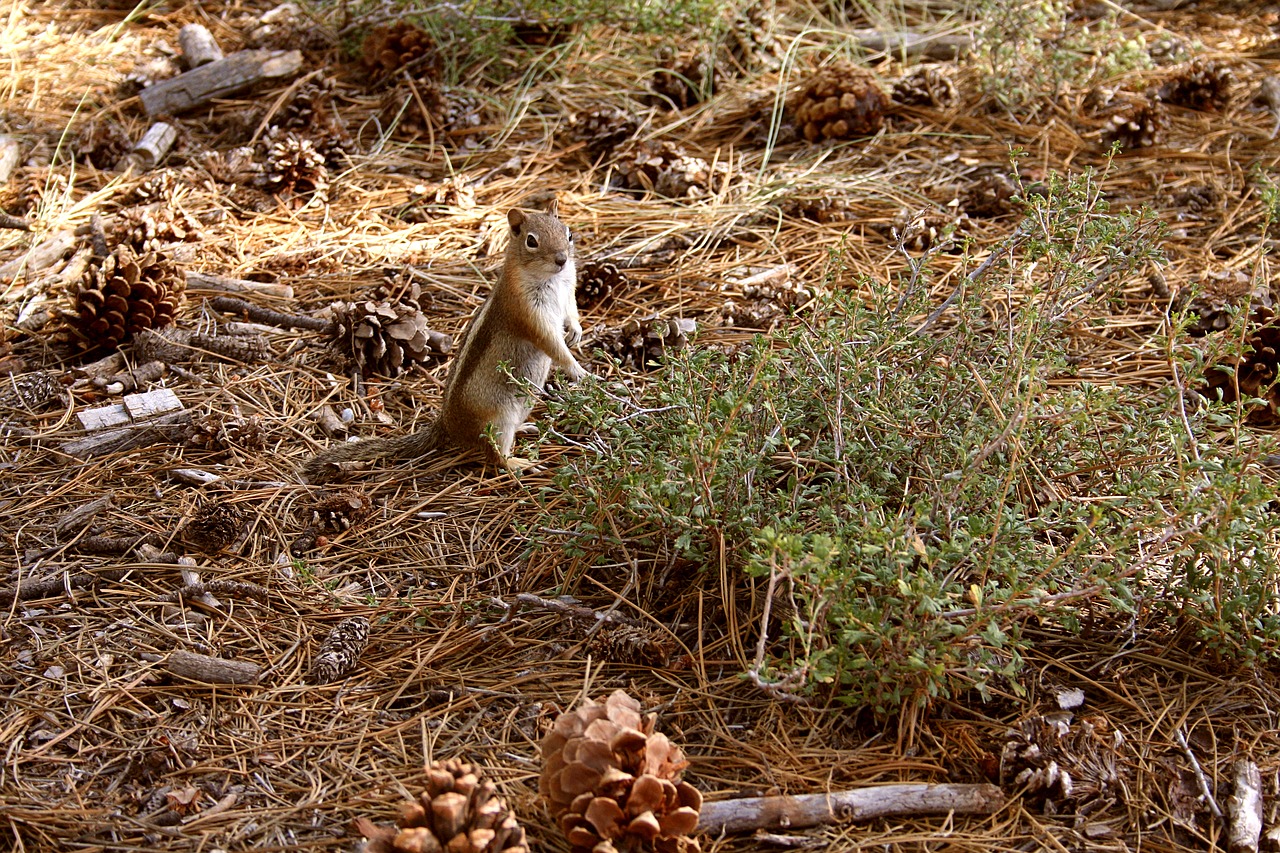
(540, 246)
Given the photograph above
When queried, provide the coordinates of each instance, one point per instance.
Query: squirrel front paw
(573, 333)
(575, 371)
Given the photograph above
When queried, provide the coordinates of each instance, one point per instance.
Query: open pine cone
(644, 344)
(386, 337)
(596, 281)
(1204, 86)
(683, 78)
(926, 86)
(459, 812)
(388, 49)
(666, 169)
(296, 167)
(1136, 125)
(613, 783)
(603, 129)
(840, 101)
(126, 292)
(1253, 374)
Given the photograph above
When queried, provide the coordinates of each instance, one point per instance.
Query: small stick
(49, 587)
(224, 284)
(1200, 777)
(211, 670)
(79, 518)
(17, 223)
(801, 810)
(258, 314)
(154, 144)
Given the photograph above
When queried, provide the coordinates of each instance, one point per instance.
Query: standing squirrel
(521, 329)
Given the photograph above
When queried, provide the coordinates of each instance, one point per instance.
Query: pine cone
(341, 650)
(294, 166)
(990, 194)
(926, 86)
(216, 431)
(1137, 125)
(154, 226)
(665, 169)
(633, 644)
(342, 510)
(602, 130)
(459, 812)
(1216, 300)
(921, 230)
(1197, 198)
(840, 101)
(682, 79)
(614, 784)
(386, 337)
(1202, 85)
(387, 49)
(750, 41)
(597, 281)
(1253, 374)
(125, 293)
(643, 344)
(30, 391)
(102, 144)
(216, 525)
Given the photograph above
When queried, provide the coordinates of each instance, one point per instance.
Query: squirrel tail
(327, 464)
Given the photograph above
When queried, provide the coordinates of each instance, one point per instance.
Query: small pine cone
(922, 230)
(665, 169)
(102, 145)
(462, 109)
(1216, 300)
(216, 431)
(341, 650)
(30, 391)
(296, 167)
(125, 293)
(1029, 760)
(156, 187)
(342, 510)
(597, 281)
(612, 783)
(1253, 374)
(386, 337)
(216, 525)
(750, 40)
(154, 226)
(926, 86)
(602, 130)
(989, 195)
(644, 344)
(634, 644)
(459, 812)
(387, 49)
(840, 101)
(1197, 198)
(682, 79)
(401, 108)
(1139, 125)
(1204, 86)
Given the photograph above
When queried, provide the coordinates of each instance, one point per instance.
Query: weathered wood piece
(259, 314)
(211, 670)
(41, 257)
(167, 428)
(1244, 808)
(83, 515)
(223, 284)
(154, 144)
(9, 152)
(907, 43)
(135, 408)
(198, 45)
(219, 79)
(803, 810)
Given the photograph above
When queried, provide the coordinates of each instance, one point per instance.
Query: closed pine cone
(840, 101)
(613, 784)
(459, 812)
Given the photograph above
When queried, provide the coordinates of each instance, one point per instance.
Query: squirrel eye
(531, 241)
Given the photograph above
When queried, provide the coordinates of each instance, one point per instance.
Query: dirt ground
(331, 184)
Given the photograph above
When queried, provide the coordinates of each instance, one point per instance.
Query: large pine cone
(125, 293)
(614, 784)
(386, 337)
(840, 101)
(458, 812)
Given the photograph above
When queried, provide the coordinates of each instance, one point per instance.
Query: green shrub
(917, 495)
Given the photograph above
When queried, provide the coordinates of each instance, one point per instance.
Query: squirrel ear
(553, 207)
(515, 218)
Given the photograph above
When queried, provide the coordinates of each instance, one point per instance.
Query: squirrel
(520, 330)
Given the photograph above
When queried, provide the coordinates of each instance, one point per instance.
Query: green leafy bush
(916, 495)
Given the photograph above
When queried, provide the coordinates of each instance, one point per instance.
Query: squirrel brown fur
(521, 329)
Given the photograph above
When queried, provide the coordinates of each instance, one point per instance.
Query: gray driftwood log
(801, 810)
(219, 79)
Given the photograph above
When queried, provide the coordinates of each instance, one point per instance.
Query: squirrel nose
(561, 258)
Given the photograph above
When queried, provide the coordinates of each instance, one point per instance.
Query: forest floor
(104, 749)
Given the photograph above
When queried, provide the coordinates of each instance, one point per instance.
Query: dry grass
(96, 737)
